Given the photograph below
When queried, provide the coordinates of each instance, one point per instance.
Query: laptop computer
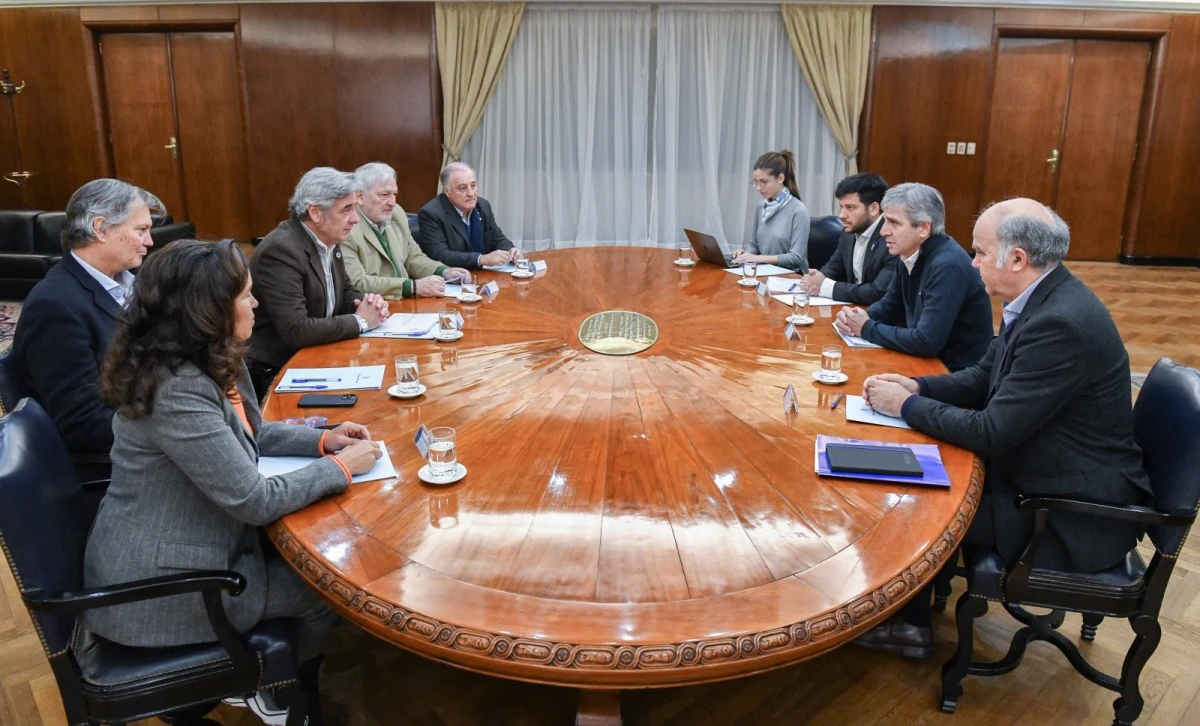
(707, 248)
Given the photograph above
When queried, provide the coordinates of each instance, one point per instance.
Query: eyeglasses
(755, 183)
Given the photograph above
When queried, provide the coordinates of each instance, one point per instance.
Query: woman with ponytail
(781, 222)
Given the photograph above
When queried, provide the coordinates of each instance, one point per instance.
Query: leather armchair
(414, 226)
(1167, 428)
(823, 236)
(44, 521)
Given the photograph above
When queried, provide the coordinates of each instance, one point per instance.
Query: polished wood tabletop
(627, 521)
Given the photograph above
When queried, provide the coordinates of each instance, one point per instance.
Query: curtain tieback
(453, 156)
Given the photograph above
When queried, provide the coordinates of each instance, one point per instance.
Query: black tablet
(856, 459)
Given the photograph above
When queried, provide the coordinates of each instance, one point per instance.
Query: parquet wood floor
(369, 683)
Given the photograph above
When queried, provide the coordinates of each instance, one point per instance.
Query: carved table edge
(454, 640)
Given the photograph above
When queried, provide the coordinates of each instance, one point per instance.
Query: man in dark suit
(67, 321)
(936, 304)
(861, 270)
(1048, 407)
(305, 297)
(458, 228)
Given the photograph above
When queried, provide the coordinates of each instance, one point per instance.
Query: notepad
(854, 341)
(506, 267)
(278, 465)
(765, 270)
(352, 378)
(406, 325)
(858, 411)
(929, 456)
(814, 301)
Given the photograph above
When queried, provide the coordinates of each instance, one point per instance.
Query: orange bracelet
(349, 478)
(321, 443)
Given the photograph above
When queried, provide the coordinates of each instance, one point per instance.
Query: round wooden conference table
(626, 521)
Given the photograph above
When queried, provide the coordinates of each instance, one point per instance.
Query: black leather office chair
(44, 521)
(10, 388)
(414, 226)
(1167, 427)
(823, 236)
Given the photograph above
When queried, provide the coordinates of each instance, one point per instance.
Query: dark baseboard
(1160, 261)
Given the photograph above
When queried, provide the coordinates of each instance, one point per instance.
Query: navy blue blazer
(62, 335)
(939, 310)
(444, 236)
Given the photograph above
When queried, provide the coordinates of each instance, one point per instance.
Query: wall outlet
(950, 147)
(970, 148)
(962, 147)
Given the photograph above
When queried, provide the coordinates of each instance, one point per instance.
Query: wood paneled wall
(931, 83)
(324, 84)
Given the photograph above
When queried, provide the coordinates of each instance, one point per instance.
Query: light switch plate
(970, 148)
(950, 147)
(962, 147)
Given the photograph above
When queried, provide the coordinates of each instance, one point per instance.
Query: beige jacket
(369, 268)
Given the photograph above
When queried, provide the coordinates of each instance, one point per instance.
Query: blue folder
(927, 454)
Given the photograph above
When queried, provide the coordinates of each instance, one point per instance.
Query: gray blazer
(785, 234)
(186, 494)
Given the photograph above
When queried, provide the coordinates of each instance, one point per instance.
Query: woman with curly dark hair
(186, 493)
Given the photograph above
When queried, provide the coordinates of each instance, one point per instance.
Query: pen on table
(836, 400)
(317, 380)
(300, 389)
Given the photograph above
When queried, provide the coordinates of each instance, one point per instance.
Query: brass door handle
(1053, 160)
(16, 177)
(173, 147)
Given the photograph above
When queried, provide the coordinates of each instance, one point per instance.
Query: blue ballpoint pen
(292, 386)
(317, 380)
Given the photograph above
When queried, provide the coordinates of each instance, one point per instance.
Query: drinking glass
(523, 265)
(800, 305)
(407, 376)
(443, 453)
(470, 284)
(831, 361)
(447, 323)
(685, 254)
(750, 270)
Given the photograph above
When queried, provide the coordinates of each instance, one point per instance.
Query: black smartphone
(327, 400)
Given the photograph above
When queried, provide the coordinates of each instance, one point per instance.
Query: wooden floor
(367, 682)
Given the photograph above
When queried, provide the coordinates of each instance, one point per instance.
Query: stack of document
(506, 267)
(270, 466)
(814, 301)
(928, 455)
(854, 341)
(857, 410)
(764, 270)
(788, 285)
(406, 325)
(352, 378)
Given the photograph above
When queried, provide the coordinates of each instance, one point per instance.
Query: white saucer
(800, 321)
(423, 475)
(523, 275)
(454, 335)
(394, 391)
(841, 378)
(467, 297)
(748, 282)
(685, 263)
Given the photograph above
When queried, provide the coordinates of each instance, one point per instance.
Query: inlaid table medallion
(628, 521)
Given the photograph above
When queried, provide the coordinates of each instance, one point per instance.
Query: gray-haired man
(381, 255)
(1048, 408)
(305, 297)
(458, 227)
(68, 318)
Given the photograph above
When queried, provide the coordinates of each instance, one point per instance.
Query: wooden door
(1099, 144)
(211, 133)
(1029, 106)
(141, 115)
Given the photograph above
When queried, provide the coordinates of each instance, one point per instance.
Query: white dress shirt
(120, 288)
(326, 255)
(911, 262)
(1013, 310)
(858, 259)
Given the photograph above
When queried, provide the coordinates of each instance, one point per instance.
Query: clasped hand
(850, 320)
(887, 392)
(372, 308)
(500, 257)
(353, 446)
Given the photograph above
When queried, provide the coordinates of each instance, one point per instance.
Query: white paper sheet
(354, 378)
(783, 284)
(276, 465)
(452, 290)
(764, 270)
(813, 301)
(419, 326)
(506, 267)
(858, 410)
(854, 341)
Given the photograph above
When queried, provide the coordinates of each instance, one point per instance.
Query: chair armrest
(1130, 513)
(137, 590)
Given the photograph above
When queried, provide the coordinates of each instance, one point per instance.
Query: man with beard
(861, 269)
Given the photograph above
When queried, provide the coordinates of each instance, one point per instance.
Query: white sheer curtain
(728, 89)
(623, 124)
(562, 151)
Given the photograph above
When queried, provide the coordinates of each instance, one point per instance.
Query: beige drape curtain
(473, 42)
(833, 45)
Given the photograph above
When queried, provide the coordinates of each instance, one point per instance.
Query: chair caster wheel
(949, 705)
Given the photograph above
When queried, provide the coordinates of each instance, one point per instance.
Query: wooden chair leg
(965, 612)
(1090, 623)
(1129, 706)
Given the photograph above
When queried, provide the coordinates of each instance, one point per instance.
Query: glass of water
(447, 323)
(443, 453)
(750, 270)
(407, 376)
(685, 254)
(831, 361)
(523, 265)
(470, 284)
(800, 305)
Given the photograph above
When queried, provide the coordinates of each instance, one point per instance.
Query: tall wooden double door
(175, 124)
(1064, 128)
